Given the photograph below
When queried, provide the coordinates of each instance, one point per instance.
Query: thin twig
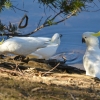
(23, 4)
(46, 20)
(66, 17)
(92, 10)
(44, 10)
(36, 89)
(55, 98)
(39, 22)
(52, 69)
(65, 59)
(52, 8)
(72, 96)
(55, 11)
(13, 9)
(95, 4)
(56, 15)
(20, 9)
(35, 30)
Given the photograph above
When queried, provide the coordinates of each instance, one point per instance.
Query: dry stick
(39, 22)
(36, 89)
(65, 59)
(55, 98)
(72, 97)
(51, 69)
(17, 66)
(10, 71)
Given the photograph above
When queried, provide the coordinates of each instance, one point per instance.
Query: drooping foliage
(66, 6)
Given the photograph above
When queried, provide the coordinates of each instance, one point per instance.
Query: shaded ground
(34, 83)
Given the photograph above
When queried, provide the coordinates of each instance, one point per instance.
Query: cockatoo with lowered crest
(91, 58)
(49, 50)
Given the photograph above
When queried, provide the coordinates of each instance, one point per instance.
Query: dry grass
(32, 84)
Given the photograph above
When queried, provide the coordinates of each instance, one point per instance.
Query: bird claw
(19, 58)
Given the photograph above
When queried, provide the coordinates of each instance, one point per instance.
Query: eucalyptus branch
(46, 25)
(63, 8)
(40, 27)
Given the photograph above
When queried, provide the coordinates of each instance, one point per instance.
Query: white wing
(44, 38)
(47, 52)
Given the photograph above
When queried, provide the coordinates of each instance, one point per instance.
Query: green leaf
(7, 4)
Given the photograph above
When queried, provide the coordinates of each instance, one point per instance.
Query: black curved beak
(60, 35)
(83, 40)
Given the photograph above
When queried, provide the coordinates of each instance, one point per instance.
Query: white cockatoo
(22, 45)
(49, 50)
(91, 58)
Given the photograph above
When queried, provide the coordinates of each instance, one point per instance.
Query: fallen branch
(14, 73)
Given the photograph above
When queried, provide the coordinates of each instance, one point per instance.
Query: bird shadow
(62, 66)
(11, 66)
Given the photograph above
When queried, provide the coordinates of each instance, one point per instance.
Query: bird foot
(19, 58)
(22, 58)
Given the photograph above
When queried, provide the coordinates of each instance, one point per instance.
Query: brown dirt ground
(34, 83)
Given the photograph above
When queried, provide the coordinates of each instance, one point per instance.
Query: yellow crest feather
(96, 34)
(1, 42)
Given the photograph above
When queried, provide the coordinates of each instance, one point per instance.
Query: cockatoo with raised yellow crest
(91, 58)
